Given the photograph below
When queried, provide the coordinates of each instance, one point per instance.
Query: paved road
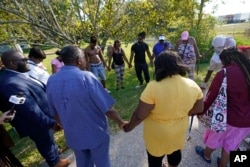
(127, 150)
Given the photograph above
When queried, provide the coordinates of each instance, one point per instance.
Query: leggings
(173, 159)
(119, 72)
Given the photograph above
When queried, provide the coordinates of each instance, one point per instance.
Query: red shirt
(238, 96)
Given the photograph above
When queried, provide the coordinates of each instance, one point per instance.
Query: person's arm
(58, 126)
(53, 67)
(177, 45)
(196, 50)
(102, 59)
(197, 108)
(109, 53)
(113, 115)
(125, 58)
(142, 111)
(5, 116)
(132, 54)
(149, 55)
(87, 59)
(208, 52)
(213, 90)
(208, 75)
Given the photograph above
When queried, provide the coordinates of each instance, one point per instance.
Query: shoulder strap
(185, 48)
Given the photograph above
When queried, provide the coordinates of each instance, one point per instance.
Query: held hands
(122, 124)
(151, 63)
(57, 127)
(129, 65)
(6, 117)
(125, 126)
(108, 68)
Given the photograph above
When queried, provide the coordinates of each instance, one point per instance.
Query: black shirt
(118, 57)
(139, 49)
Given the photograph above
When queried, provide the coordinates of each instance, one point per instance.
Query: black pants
(139, 67)
(173, 159)
(46, 146)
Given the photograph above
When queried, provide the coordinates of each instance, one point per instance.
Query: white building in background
(235, 18)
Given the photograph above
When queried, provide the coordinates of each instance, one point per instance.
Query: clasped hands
(125, 126)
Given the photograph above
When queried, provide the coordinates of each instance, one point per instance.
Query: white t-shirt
(38, 72)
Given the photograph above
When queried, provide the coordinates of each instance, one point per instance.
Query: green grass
(231, 29)
(240, 31)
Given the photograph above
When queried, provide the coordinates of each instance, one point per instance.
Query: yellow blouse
(166, 126)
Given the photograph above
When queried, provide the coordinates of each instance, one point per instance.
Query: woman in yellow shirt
(164, 106)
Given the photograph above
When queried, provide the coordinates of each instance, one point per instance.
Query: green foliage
(61, 22)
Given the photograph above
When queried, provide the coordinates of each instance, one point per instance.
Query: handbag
(215, 117)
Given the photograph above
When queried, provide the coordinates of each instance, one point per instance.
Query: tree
(61, 22)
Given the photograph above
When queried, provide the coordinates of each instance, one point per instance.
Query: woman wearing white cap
(187, 48)
(218, 44)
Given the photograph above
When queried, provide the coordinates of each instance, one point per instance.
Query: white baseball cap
(219, 41)
(161, 37)
(230, 42)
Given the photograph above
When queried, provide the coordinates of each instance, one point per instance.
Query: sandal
(200, 151)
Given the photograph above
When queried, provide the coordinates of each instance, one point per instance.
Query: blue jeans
(46, 146)
(98, 70)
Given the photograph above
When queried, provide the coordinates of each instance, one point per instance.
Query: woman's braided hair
(230, 55)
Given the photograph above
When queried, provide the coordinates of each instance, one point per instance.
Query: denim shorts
(98, 70)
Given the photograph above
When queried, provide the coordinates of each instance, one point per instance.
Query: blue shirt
(81, 103)
(159, 47)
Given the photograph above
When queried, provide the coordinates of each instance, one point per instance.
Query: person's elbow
(197, 108)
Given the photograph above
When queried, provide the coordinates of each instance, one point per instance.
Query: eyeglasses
(23, 59)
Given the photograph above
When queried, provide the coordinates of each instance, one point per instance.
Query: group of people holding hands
(73, 99)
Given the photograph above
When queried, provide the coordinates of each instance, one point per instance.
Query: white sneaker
(138, 86)
(107, 90)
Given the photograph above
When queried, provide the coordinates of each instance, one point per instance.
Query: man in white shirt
(37, 69)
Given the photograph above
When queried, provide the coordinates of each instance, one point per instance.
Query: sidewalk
(127, 150)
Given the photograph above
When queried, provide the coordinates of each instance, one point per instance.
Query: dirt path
(127, 150)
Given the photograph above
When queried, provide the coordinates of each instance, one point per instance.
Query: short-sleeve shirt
(81, 102)
(38, 72)
(158, 48)
(187, 53)
(139, 50)
(166, 126)
(58, 64)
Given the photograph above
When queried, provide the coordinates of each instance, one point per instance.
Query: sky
(229, 7)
